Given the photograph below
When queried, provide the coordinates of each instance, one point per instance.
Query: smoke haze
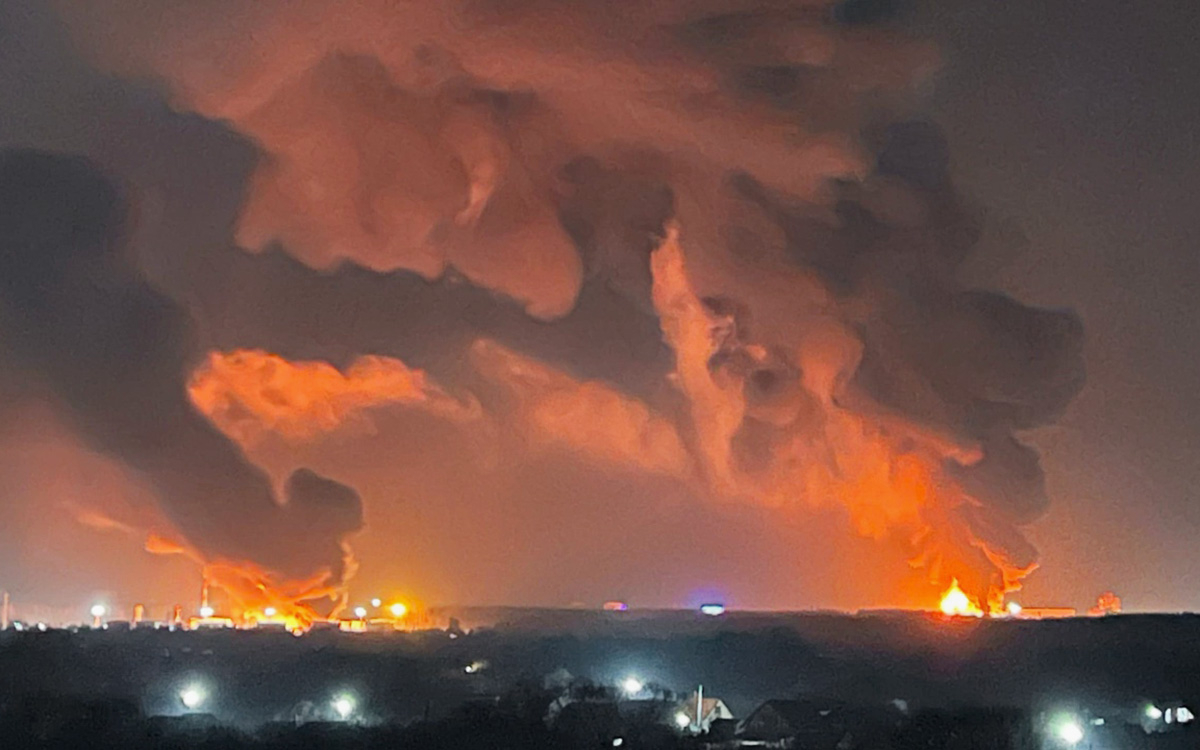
(513, 271)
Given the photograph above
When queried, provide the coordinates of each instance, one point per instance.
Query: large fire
(956, 603)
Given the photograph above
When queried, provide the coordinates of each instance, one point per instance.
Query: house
(809, 724)
(683, 714)
(818, 725)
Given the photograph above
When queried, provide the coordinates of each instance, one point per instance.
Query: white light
(360, 612)
(1183, 715)
(270, 611)
(343, 706)
(98, 610)
(376, 602)
(632, 685)
(712, 610)
(192, 697)
(618, 741)
(1014, 609)
(1070, 732)
(1153, 712)
(682, 720)
(206, 611)
(398, 609)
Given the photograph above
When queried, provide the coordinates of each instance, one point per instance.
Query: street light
(1070, 733)
(632, 685)
(1066, 730)
(343, 706)
(192, 697)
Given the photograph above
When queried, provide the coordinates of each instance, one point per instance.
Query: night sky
(1077, 126)
(669, 305)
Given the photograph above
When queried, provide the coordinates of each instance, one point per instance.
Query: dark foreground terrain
(536, 679)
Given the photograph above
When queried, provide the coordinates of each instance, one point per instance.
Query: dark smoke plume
(728, 212)
(76, 316)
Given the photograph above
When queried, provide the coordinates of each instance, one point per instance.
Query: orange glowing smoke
(777, 423)
(589, 417)
(253, 592)
(256, 595)
(248, 393)
(957, 604)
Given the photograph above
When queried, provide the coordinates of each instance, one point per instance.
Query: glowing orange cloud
(809, 448)
(589, 417)
(248, 393)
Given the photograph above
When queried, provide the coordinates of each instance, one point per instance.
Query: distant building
(1047, 613)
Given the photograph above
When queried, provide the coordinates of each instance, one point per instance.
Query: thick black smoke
(432, 173)
(76, 316)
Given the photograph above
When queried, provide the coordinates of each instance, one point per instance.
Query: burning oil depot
(510, 270)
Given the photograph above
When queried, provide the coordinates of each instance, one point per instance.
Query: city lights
(207, 611)
(632, 685)
(360, 612)
(98, 610)
(398, 609)
(376, 602)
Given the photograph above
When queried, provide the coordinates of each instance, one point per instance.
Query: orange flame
(257, 596)
(813, 439)
(955, 603)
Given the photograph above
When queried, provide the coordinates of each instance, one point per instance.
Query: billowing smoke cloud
(76, 318)
(248, 393)
(747, 174)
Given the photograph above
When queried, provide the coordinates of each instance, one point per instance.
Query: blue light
(712, 610)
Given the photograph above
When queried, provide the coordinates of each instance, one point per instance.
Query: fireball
(955, 603)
